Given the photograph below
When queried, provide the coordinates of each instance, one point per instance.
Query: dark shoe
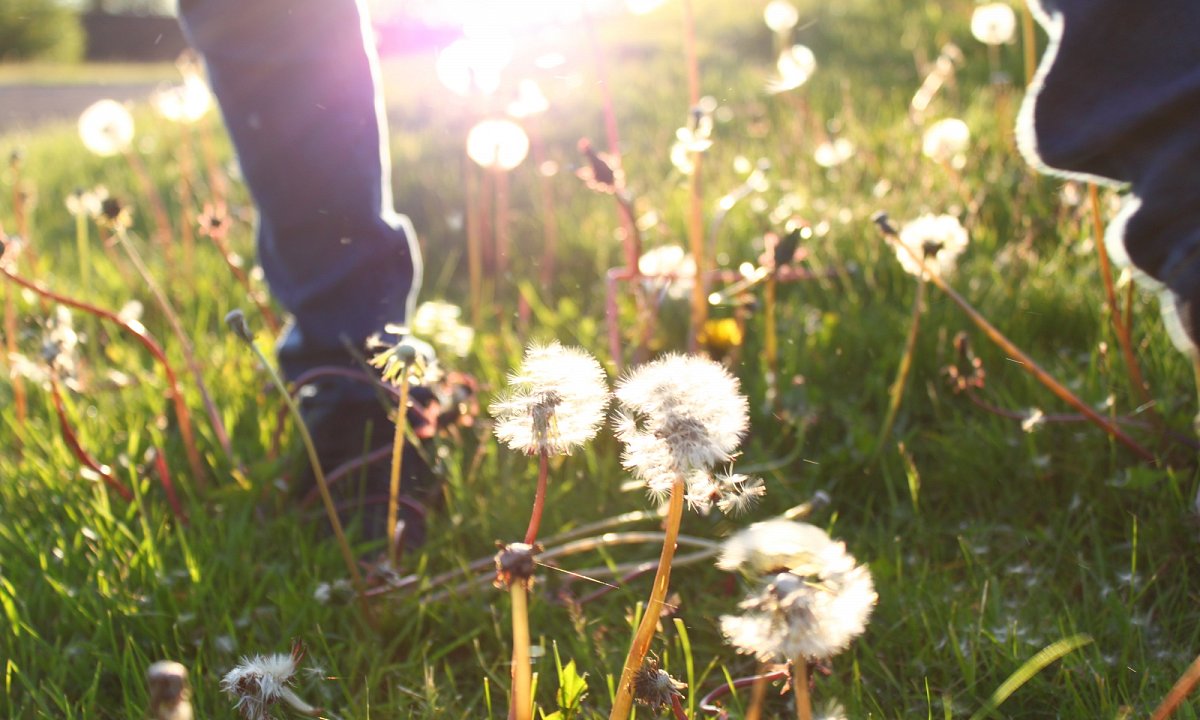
(353, 438)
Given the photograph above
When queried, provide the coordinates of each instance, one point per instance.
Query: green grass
(987, 543)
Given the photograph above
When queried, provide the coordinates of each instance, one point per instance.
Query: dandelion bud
(170, 694)
(236, 321)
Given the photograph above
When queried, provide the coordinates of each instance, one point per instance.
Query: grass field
(989, 539)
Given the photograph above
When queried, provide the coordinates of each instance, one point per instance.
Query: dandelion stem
(474, 244)
(649, 624)
(1029, 42)
(696, 240)
(162, 222)
(800, 689)
(539, 499)
(896, 392)
(182, 414)
(319, 474)
(1183, 687)
(10, 347)
(1018, 355)
(185, 344)
(84, 248)
(77, 450)
(393, 514)
(1120, 320)
(522, 668)
(677, 708)
(549, 216)
(771, 338)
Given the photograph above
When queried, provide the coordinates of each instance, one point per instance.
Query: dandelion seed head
(259, 682)
(946, 141)
(106, 128)
(779, 545)
(795, 65)
(668, 268)
(937, 239)
(682, 414)
(780, 16)
(832, 153)
(555, 401)
(184, 103)
(994, 23)
(804, 615)
(497, 144)
(653, 687)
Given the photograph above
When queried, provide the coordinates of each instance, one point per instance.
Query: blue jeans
(1117, 98)
(297, 82)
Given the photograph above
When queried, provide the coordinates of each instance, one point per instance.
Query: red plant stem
(539, 499)
(185, 343)
(77, 450)
(185, 190)
(1183, 687)
(1120, 321)
(10, 347)
(243, 279)
(706, 703)
(181, 410)
(677, 708)
(164, 476)
(162, 222)
(474, 242)
(612, 314)
(1019, 356)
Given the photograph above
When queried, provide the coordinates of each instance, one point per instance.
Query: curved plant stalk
(238, 324)
(77, 450)
(239, 274)
(10, 346)
(896, 391)
(1017, 354)
(1183, 687)
(623, 702)
(185, 344)
(758, 698)
(755, 681)
(182, 415)
(164, 476)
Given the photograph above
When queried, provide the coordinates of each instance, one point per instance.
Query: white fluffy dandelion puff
(775, 546)
(946, 141)
(994, 23)
(937, 239)
(555, 401)
(106, 128)
(262, 681)
(681, 416)
(813, 610)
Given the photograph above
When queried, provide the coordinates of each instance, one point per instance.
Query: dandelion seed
(682, 414)
(795, 65)
(555, 401)
(811, 611)
(1033, 420)
(780, 16)
(937, 239)
(994, 23)
(106, 128)
(946, 141)
(497, 144)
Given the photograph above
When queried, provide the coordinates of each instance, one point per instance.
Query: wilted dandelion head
(681, 416)
(994, 23)
(653, 687)
(937, 239)
(262, 681)
(603, 172)
(795, 65)
(497, 144)
(811, 611)
(946, 141)
(780, 16)
(106, 128)
(555, 401)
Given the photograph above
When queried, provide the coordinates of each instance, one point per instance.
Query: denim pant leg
(297, 84)
(1117, 98)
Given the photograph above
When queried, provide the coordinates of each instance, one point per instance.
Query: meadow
(1027, 563)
